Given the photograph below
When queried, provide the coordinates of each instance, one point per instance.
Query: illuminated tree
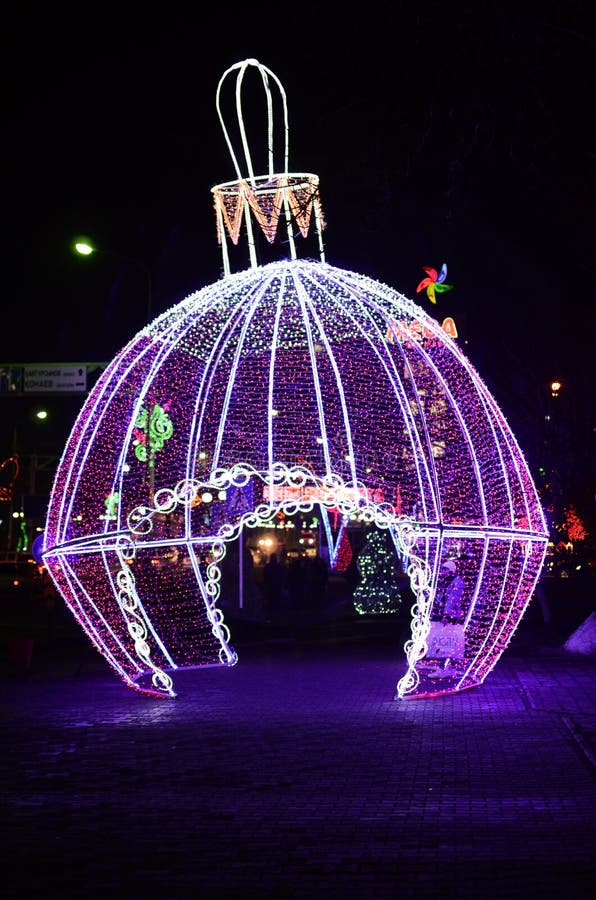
(377, 591)
(574, 525)
(344, 554)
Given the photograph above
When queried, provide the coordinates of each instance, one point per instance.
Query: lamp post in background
(17, 516)
(84, 247)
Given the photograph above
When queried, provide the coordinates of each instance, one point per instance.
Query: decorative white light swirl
(331, 493)
(128, 602)
(420, 580)
(214, 613)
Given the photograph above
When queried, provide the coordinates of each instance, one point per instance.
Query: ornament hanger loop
(265, 198)
(266, 74)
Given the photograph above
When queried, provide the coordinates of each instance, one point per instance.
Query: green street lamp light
(33, 415)
(84, 247)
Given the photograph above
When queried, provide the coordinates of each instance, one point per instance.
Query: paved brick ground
(296, 774)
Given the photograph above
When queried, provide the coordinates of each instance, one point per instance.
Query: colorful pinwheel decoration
(434, 282)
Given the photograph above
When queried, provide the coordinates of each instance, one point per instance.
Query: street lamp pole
(85, 248)
(40, 415)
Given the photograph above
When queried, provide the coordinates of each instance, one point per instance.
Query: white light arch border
(329, 492)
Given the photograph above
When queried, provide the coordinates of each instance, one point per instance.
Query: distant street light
(84, 247)
(38, 415)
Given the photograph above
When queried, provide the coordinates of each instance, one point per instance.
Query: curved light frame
(287, 386)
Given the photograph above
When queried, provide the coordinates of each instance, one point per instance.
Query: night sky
(442, 132)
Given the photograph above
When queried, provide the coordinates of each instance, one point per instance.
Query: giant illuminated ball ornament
(288, 386)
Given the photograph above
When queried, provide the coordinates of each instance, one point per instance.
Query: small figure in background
(251, 591)
(296, 582)
(274, 575)
(315, 581)
(446, 638)
(452, 611)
